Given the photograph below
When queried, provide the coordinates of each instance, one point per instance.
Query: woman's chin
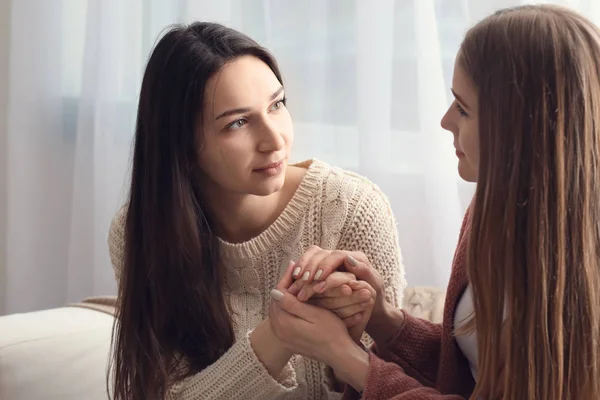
(466, 172)
(269, 187)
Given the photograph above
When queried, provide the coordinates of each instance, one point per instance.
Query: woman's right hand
(385, 319)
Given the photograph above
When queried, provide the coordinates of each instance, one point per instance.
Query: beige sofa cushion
(57, 354)
(61, 354)
(425, 302)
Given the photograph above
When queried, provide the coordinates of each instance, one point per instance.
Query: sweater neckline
(278, 232)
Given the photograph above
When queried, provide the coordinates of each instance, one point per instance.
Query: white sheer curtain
(367, 80)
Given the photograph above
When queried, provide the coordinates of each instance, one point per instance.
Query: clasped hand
(320, 311)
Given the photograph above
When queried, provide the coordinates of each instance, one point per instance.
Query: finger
(331, 263)
(359, 285)
(299, 267)
(287, 279)
(348, 311)
(335, 280)
(362, 269)
(340, 291)
(338, 259)
(333, 303)
(357, 331)
(275, 313)
(296, 287)
(353, 320)
(291, 305)
(341, 280)
(309, 270)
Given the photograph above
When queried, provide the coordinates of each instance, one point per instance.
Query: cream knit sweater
(332, 209)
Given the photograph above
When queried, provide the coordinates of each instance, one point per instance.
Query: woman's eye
(278, 105)
(461, 110)
(237, 124)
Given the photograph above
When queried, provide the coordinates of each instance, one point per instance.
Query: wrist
(384, 323)
(268, 348)
(350, 364)
(272, 341)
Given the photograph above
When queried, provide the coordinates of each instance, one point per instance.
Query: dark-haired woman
(215, 215)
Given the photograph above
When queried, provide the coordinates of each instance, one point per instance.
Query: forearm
(268, 349)
(251, 380)
(350, 364)
(410, 342)
(388, 381)
(385, 323)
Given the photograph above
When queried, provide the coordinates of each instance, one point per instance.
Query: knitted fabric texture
(423, 360)
(333, 209)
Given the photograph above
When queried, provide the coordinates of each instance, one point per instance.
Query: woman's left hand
(306, 329)
(318, 334)
(303, 328)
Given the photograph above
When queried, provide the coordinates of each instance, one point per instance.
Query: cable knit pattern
(331, 208)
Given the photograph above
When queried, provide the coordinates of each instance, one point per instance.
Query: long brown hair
(172, 320)
(535, 246)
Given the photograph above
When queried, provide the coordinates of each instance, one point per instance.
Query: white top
(467, 343)
(332, 209)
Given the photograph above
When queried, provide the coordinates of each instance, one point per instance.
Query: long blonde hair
(535, 246)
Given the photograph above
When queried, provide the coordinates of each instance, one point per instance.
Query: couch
(62, 353)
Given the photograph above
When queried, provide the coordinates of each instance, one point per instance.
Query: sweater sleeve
(388, 381)
(416, 348)
(407, 366)
(372, 230)
(237, 374)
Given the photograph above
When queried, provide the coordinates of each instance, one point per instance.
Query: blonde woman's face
(461, 120)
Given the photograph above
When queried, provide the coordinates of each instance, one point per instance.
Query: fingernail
(320, 286)
(352, 261)
(318, 274)
(276, 295)
(305, 276)
(297, 271)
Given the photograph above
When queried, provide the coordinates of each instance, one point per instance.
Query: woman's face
(461, 119)
(247, 130)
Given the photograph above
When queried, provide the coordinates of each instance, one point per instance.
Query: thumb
(361, 270)
(293, 306)
(287, 278)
